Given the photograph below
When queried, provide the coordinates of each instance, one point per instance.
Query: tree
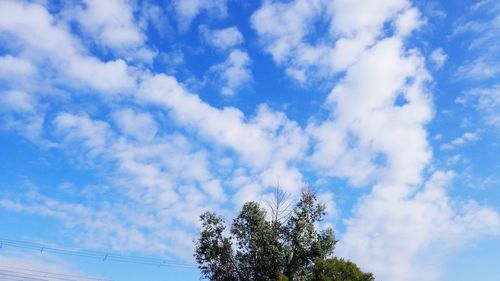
(335, 269)
(286, 247)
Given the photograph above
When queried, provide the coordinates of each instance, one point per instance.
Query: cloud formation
(167, 152)
(222, 39)
(233, 73)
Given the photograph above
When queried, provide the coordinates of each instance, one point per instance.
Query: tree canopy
(285, 246)
(334, 269)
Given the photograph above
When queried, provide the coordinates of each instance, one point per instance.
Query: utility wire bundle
(91, 254)
(10, 273)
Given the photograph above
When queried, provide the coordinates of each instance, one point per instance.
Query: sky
(121, 121)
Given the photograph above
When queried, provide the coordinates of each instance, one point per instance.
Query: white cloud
(407, 22)
(368, 138)
(29, 125)
(166, 168)
(264, 144)
(410, 229)
(188, 10)
(139, 125)
(12, 67)
(111, 23)
(16, 101)
(225, 126)
(488, 103)
(438, 57)
(108, 77)
(254, 140)
(481, 68)
(481, 26)
(284, 30)
(298, 74)
(167, 171)
(163, 183)
(158, 18)
(43, 39)
(366, 123)
(460, 141)
(214, 189)
(19, 112)
(223, 39)
(94, 134)
(454, 159)
(233, 73)
(151, 170)
(353, 17)
(282, 26)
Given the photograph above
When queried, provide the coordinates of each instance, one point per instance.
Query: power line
(16, 273)
(47, 273)
(104, 256)
(13, 279)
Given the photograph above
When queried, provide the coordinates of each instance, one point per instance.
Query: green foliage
(257, 244)
(213, 252)
(304, 244)
(286, 248)
(339, 270)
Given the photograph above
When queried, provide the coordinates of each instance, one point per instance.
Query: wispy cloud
(223, 39)
(460, 141)
(481, 27)
(188, 10)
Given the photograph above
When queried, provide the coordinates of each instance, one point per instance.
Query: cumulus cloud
(138, 125)
(18, 113)
(110, 22)
(408, 224)
(94, 135)
(233, 73)
(438, 57)
(407, 22)
(281, 27)
(367, 124)
(150, 170)
(150, 174)
(254, 140)
(32, 26)
(284, 30)
(11, 67)
(187, 10)
(169, 155)
(158, 18)
(370, 138)
(225, 126)
(222, 39)
(17, 101)
(154, 172)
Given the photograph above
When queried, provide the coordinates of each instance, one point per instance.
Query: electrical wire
(104, 256)
(48, 274)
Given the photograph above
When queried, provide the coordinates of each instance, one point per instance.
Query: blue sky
(122, 121)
